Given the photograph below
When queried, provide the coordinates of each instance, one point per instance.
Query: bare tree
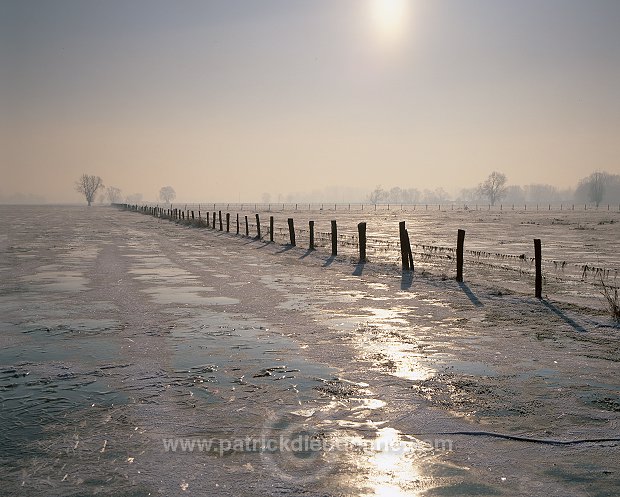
(597, 187)
(378, 195)
(167, 194)
(494, 187)
(113, 194)
(441, 195)
(411, 195)
(395, 195)
(88, 185)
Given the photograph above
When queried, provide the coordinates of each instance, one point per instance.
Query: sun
(389, 17)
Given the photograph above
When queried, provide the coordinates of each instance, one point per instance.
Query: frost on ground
(139, 357)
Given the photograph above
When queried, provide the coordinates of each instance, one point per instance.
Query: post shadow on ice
(470, 295)
(571, 322)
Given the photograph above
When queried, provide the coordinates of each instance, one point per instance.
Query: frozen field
(579, 246)
(124, 337)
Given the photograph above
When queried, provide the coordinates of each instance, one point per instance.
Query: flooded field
(141, 357)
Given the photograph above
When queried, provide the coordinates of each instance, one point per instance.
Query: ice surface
(119, 330)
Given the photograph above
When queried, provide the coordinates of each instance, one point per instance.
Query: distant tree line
(597, 188)
(398, 195)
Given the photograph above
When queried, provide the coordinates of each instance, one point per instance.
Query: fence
(407, 207)
(390, 247)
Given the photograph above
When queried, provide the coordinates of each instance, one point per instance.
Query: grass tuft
(610, 293)
(199, 223)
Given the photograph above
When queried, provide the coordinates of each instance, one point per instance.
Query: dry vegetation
(610, 293)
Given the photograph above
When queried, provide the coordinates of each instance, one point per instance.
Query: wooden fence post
(405, 246)
(291, 230)
(403, 254)
(213, 219)
(237, 223)
(460, 242)
(538, 260)
(271, 228)
(334, 238)
(257, 227)
(361, 230)
(408, 247)
(247, 227)
(228, 222)
(311, 227)
(220, 219)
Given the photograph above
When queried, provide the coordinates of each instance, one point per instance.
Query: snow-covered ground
(123, 335)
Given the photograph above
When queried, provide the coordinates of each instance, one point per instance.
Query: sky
(230, 100)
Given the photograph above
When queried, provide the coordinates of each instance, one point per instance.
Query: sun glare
(389, 17)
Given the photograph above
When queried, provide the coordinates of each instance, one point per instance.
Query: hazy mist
(325, 100)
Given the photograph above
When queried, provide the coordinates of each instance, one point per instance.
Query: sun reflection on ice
(406, 365)
(366, 452)
(390, 339)
(393, 470)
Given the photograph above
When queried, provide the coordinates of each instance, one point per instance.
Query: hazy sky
(225, 100)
